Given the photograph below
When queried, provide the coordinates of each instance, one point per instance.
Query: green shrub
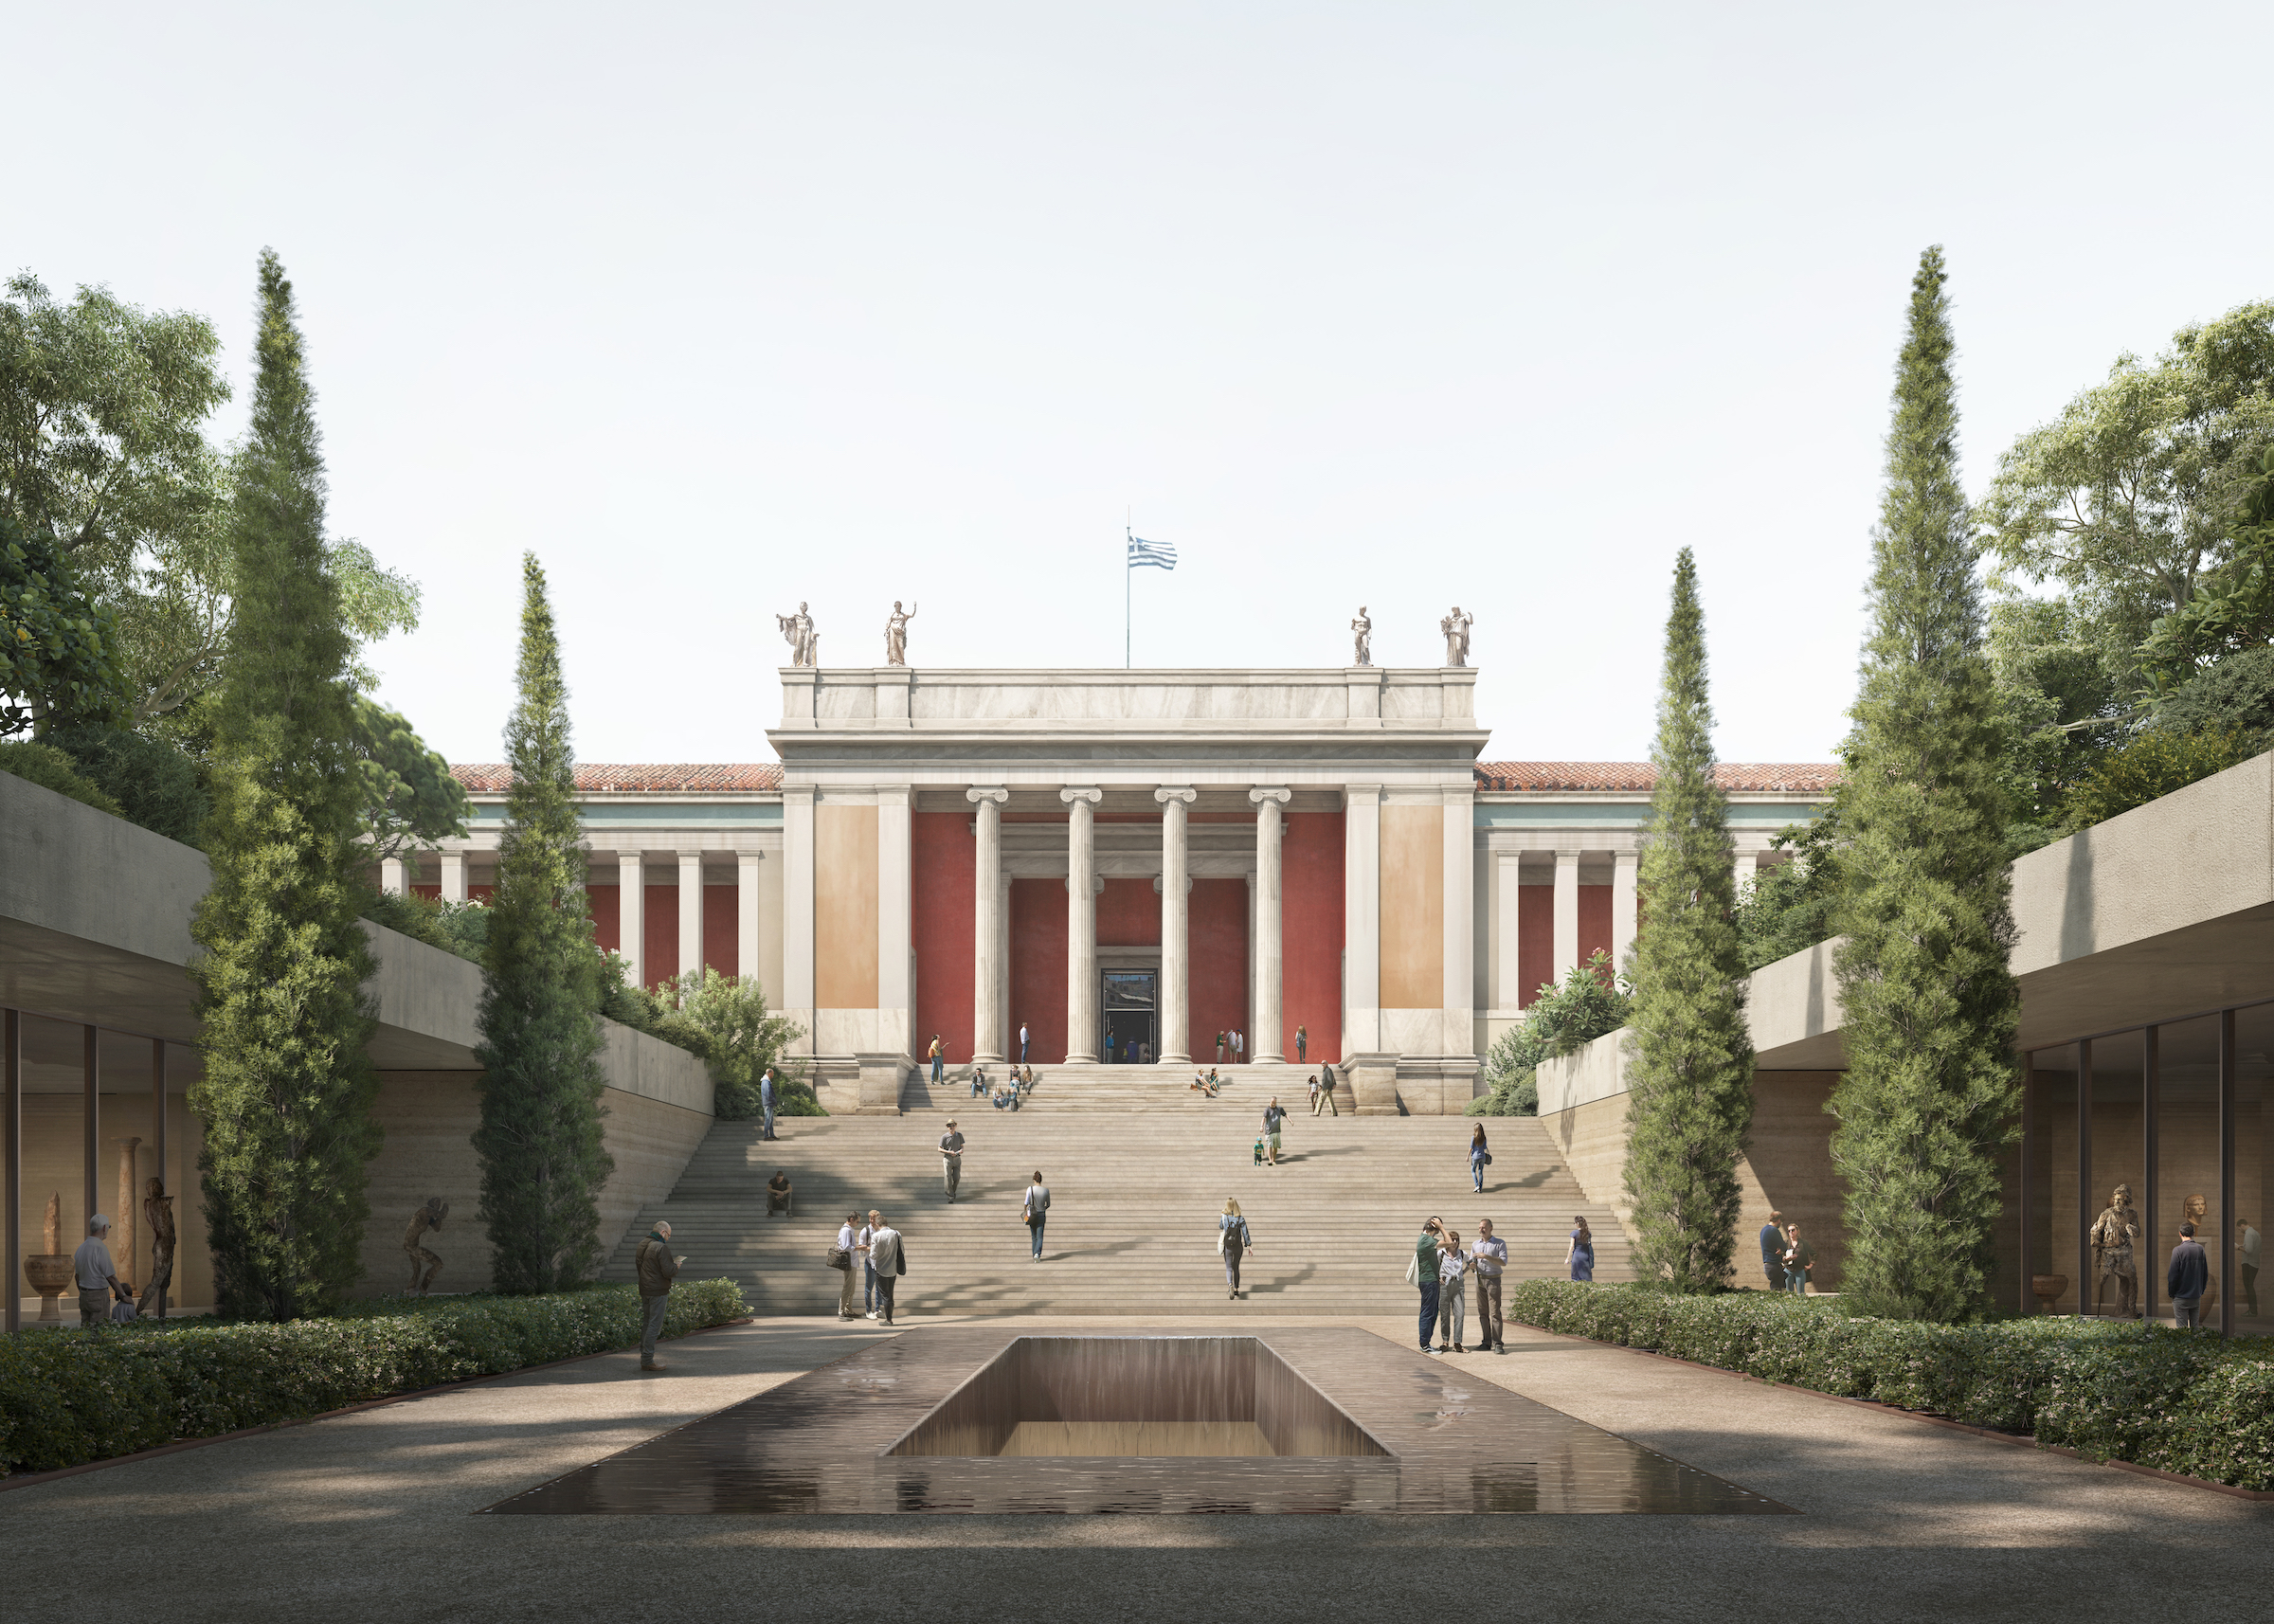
(70, 1396)
(155, 783)
(50, 768)
(2109, 1389)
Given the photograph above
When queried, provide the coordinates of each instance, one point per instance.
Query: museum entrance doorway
(1132, 1015)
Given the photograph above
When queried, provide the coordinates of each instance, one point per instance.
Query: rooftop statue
(1456, 627)
(1363, 630)
(895, 634)
(798, 631)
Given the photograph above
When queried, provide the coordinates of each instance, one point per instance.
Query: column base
(1172, 1059)
(1079, 1061)
(983, 1060)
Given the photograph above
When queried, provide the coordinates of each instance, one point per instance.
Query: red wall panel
(1218, 934)
(722, 930)
(659, 948)
(946, 875)
(1128, 914)
(1311, 934)
(429, 892)
(1039, 968)
(1595, 920)
(1535, 940)
(480, 892)
(605, 906)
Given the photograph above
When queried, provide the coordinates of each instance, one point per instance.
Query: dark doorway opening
(1132, 1031)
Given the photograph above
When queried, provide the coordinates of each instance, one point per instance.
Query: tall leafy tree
(1930, 1092)
(57, 647)
(409, 796)
(287, 1093)
(1690, 1054)
(542, 1159)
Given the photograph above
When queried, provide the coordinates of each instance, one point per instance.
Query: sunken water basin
(983, 1419)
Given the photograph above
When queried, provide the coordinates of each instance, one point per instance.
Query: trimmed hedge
(2109, 1389)
(69, 1397)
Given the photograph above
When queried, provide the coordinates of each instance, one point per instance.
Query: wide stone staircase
(1138, 1166)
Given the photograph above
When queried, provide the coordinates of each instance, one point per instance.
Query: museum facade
(1127, 864)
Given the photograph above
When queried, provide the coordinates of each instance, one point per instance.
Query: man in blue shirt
(766, 1103)
(1490, 1255)
(1772, 1250)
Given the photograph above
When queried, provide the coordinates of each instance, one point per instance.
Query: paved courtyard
(369, 1517)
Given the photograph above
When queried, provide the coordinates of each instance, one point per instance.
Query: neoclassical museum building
(1125, 864)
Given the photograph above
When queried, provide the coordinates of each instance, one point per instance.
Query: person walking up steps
(1233, 1242)
(951, 1160)
(1479, 1158)
(1488, 1257)
(1272, 1117)
(1581, 1255)
(1036, 1210)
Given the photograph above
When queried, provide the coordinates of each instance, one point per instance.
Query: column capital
(1071, 796)
(797, 794)
(1169, 792)
(1362, 795)
(1261, 795)
(994, 792)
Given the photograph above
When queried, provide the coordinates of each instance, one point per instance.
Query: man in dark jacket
(656, 1268)
(2188, 1273)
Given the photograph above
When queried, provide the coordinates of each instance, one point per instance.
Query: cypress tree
(1690, 1052)
(287, 1093)
(1931, 1088)
(542, 1159)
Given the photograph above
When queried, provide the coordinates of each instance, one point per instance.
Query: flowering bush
(2110, 1389)
(68, 1396)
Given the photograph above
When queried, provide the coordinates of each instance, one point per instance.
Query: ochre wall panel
(1311, 934)
(1413, 906)
(945, 870)
(844, 906)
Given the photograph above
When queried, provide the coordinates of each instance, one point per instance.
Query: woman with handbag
(1233, 1242)
(1034, 1210)
(1479, 1158)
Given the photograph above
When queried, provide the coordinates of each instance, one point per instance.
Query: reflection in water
(1302, 1421)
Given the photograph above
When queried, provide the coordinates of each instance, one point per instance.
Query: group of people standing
(873, 1258)
(1442, 1267)
(1785, 1257)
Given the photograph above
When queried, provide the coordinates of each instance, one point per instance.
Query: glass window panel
(2187, 1176)
(2118, 1236)
(2051, 1218)
(2253, 1160)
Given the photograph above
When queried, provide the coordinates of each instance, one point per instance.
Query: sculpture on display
(2113, 1235)
(49, 1273)
(123, 1239)
(1456, 627)
(804, 647)
(426, 1217)
(157, 1211)
(1362, 630)
(895, 634)
(2196, 1209)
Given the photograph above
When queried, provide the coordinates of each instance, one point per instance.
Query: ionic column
(1748, 870)
(691, 912)
(1267, 1041)
(1623, 868)
(454, 875)
(1176, 927)
(631, 915)
(1081, 926)
(391, 877)
(1567, 913)
(987, 979)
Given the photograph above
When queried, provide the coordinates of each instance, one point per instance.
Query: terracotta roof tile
(496, 777)
(1639, 776)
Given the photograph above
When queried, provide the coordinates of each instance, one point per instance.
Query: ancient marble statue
(1361, 632)
(1456, 627)
(2196, 1209)
(157, 1211)
(798, 631)
(2114, 1234)
(895, 634)
(426, 1217)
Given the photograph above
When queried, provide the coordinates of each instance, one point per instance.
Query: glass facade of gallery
(2176, 1113)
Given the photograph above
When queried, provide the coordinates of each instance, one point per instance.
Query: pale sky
(722, 307)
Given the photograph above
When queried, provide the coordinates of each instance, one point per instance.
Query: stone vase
(49, 1274)
(2047, 1289)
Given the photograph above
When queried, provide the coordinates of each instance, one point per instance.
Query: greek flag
(1160, 554)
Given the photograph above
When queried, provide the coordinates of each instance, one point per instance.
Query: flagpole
(1127, 570)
